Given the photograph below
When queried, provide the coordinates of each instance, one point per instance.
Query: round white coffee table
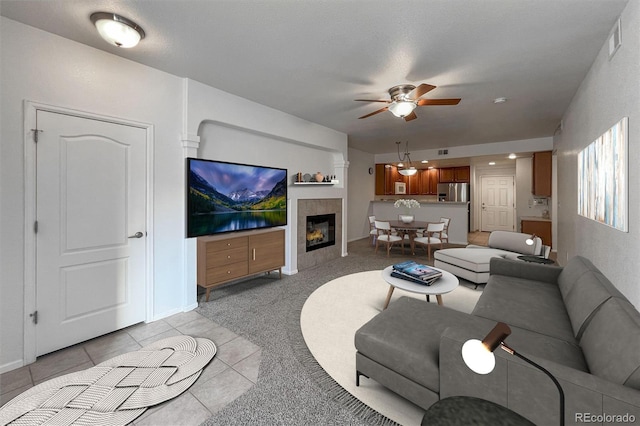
(445, 284)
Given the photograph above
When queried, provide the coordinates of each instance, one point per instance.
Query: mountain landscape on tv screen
(204, 198)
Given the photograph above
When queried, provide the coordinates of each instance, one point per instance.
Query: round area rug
(335, 311)
(116, 391)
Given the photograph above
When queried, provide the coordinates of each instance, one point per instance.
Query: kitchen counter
(429, 211)
(423, 201)
(537, 218)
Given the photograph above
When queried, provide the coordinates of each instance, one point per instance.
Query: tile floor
(233, 371)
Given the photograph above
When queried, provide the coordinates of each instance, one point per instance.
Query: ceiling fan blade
(411, 116)
(372, 100)
(419, 91)
(452, 101)
(375, 112)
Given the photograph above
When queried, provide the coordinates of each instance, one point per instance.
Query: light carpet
(116, 391)
(332, 314)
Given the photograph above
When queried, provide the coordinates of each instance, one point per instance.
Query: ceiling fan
(405, 98)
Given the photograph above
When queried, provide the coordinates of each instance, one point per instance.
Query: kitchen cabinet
(455, 174)
(429, 180)
(541, 179)
(538, 226)
(227, 257)
(386, 178)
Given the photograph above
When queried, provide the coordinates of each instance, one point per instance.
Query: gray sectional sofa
(571, 320)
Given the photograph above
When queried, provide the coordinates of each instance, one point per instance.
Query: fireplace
(321, 231)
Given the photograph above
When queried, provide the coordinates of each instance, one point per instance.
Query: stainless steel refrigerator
(458, 192)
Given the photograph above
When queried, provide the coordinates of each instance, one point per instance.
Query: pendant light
(117, 30)
(407, 169)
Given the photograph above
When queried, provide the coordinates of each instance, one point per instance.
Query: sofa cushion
(514, 241)
(472, 259)
(531, 343)
(584, 288)
(611, 343)
(531, 305)
(405, 337)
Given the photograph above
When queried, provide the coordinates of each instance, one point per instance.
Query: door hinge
(35, 134)
(34, 317)
(35, 226)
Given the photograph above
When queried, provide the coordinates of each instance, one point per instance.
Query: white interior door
(498, 203)
(90, 202)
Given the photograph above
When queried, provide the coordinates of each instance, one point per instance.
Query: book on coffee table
(403, 276)
(417, 270)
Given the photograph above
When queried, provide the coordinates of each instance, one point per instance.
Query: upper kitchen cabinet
(386, 178)
(455, 174)
(541, 179)
(429, 180)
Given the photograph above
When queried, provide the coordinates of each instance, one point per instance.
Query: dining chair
(430, 238)
(445, 233)
(384, 235)
(373, 232)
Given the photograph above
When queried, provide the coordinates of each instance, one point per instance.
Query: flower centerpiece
(407, 204)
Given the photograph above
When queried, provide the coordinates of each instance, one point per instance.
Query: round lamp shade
(402, 108)
(117, 30)
(478, 357)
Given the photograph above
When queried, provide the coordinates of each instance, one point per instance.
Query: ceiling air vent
(443, 152)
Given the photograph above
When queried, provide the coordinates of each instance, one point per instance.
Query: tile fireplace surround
(313, 207)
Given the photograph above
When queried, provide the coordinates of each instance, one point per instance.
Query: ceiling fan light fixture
(117, 30)
(402, 108)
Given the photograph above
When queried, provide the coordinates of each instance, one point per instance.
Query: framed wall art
(401, 188)
(603, 189)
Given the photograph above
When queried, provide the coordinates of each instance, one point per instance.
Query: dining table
(408, 228)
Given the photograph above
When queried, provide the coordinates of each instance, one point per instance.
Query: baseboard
(14, 365)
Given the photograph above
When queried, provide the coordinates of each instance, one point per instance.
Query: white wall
(220, 142)
(610, 91)
(361, 193)
(45, 68)
(495, 148)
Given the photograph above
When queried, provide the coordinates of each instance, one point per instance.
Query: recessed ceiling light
(512, 156)
(116, 29)
(499, 100)
(492, 163)
(424, 161)
(430, 167)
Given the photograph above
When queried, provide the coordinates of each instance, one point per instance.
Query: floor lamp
(479, 357)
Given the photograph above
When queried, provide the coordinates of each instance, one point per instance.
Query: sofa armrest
(526, 270)
(529, 392)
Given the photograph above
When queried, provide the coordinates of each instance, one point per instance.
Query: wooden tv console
(228, 257)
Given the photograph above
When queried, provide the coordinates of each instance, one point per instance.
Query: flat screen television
(227, 197)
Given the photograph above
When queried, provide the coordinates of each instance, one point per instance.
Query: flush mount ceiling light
(407, 169)
(512, 156)
(116, 29)
(499, 100)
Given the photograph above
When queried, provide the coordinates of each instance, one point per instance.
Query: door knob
(137, 235)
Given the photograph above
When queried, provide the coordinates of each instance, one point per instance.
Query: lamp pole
(506, 348)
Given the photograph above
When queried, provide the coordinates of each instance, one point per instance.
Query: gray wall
(609, 92)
